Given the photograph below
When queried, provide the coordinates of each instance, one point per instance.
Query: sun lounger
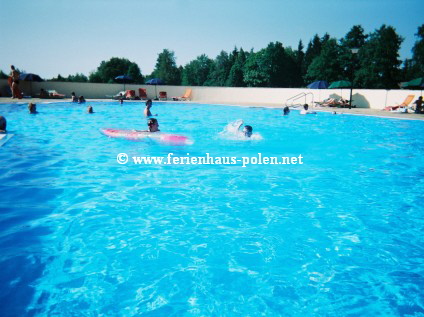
(163, 95)
(186, 96)
(130, 94)
(142, 93)
(119, 95)
(404, 104)
(55, 95)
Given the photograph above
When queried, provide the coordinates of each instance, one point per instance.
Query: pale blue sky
(48, 37)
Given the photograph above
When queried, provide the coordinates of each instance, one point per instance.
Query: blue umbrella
(320, 84)
(30, 77)
(155, 81)
(123, 79)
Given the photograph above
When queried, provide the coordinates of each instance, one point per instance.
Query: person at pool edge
(147, 112)
(305, 110)
(3, 124)
(74, 97)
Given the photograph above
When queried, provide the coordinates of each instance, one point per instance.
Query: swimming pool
(81, 235)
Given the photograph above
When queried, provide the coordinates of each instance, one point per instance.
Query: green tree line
(376, 65)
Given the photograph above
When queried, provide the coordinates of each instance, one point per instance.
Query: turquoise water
(81, 235)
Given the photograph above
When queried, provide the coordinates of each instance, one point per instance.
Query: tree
(166, 68)
(235, 77)
(196, 72)
(58, 78)
(327, 65)
(418, 53)
(107, 71)
(79, 78)
(379, 60)
(355, 38)
(313, 50)
(257, 70)
(220, 70)
(3, 75)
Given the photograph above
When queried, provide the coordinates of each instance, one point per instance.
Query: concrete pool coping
(353, 111)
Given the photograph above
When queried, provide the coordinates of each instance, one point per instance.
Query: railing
(298, 96)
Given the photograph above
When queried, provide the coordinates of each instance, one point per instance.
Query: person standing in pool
(32, 108)
(3, 124)
(147, 112)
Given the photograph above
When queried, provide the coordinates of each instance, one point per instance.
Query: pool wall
(363, 98)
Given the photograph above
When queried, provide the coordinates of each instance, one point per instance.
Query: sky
(51, 37)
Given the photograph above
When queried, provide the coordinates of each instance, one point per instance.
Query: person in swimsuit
(74, 97)
(147, 112)
(14, 74)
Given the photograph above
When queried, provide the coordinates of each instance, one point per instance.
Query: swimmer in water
(247, 130)
(3, 124)
(153, 125)
(306, 111)
(90, 109)
(286, 110)
(147, 112)
(32, 108)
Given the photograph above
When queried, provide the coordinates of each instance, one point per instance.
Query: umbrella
(417, 83)
(340, 84)
(320, 84)
(30, 77)
(123, 79)
(155, 81)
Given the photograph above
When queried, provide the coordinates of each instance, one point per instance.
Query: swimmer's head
(153, 125)
(305, 106)
(3, 124)
(90, 109)
(149, 103)
(32, 107)
(286, 110)
(247, 130)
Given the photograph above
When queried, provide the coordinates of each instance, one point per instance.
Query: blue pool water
(81, 235)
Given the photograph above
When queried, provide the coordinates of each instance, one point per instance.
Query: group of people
(153, 124)
(79, 99)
